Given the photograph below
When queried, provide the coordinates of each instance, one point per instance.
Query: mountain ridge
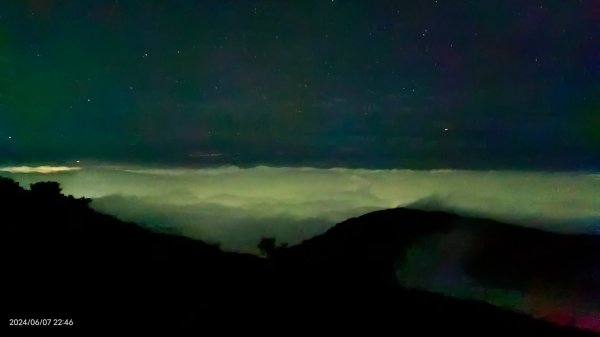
(67, 260)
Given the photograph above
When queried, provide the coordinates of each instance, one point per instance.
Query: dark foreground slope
(63, 260)
(369, 248)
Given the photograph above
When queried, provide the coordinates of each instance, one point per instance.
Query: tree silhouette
(267, 246)
(9, 186)
(46, 188)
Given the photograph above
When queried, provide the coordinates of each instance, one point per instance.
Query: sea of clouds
(237, 206)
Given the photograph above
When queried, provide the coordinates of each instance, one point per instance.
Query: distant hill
(499, 254)
(65, 260)
(369, 249)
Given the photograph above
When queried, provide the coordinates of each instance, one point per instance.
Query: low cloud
(38, 169)
(236, 206)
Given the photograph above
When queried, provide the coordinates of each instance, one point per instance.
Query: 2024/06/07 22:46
(40, 322)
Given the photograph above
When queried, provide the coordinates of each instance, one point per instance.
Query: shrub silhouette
(9, 186)
(267, 247)
(46, 188)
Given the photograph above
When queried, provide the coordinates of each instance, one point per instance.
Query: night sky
(414, 84)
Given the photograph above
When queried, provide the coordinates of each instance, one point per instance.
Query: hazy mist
(237, 206)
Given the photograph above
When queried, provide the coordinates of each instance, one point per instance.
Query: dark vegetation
(64, 260)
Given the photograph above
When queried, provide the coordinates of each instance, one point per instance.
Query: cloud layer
(237, 206)
(38, 169)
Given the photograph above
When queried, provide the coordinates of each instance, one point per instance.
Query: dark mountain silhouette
(65, 260)
(367, 251)
(498, 254)
(511, 256)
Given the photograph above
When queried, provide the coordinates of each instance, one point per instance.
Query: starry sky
(511, 84)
